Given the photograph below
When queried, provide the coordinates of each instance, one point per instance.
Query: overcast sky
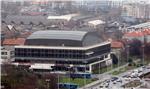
(148, 1)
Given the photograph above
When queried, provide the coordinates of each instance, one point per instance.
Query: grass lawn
(78, 81)
(147, 61)
(102, 70)
(105, 69)
(121, 70)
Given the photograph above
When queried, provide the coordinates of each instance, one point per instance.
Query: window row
(50, 55)
(48, 51)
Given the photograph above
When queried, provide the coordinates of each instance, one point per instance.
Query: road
(101, 77)
(106, 76)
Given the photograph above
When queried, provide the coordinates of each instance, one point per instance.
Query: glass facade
(63, 54)
(49, 53)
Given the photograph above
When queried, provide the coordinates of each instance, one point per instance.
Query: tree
(18, 77)
(134, 47)
(22, 23)
(130, 61)
(147, 50)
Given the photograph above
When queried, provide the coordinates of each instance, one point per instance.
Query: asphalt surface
(106, 80)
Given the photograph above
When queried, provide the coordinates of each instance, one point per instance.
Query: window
(12, 52)
(4, 53)
(106, 56)
(59, 51)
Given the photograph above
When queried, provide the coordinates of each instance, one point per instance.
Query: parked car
(114, 79)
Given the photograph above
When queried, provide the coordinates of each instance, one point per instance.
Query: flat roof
(62, 17)
(82, 17)
(67, 48)
(41, 66)
(96, 22)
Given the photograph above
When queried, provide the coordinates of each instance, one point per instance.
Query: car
(148, 67)
(119, 80)
(127, 79)
(134, 76)
(114, 79)
(106, 86)
(143, 67)
(135, 71)
(107, 81)
(114, 82)
(125, 76)
(140, 70)
(140, 74)
(101, 86)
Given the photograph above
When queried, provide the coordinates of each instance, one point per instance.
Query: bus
(68, 86)
(80, 75)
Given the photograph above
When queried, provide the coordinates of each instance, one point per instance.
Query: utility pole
(143, 54)
(85, 76)
(69, 77)
(58, 81)
(118, 58)
(143, 46)
(128, 53)
(99, 65)
(57, 77)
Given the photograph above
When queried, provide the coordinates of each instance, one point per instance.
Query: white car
(127, 79)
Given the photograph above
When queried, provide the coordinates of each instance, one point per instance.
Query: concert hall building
(81, 50)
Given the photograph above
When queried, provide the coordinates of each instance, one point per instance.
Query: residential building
(136, 10)
(117, 47)
(7, 53)
(140, 35)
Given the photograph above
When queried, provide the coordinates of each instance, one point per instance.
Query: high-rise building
(136, 10)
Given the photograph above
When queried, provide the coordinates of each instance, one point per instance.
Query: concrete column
(90, 68)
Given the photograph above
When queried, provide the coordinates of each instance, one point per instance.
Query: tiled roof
(116, 44)
(34, 13)
(146, 31)
(133, 34)
(25, 34)
(26, 19)
(138, 33)
(14, 41)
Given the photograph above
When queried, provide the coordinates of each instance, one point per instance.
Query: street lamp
(69, 77)
(128, 52)
(57, 76)
(144, 40)
(118, 58)
(143, 54)
(85, 76)
(99, 65)
(58, 81)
